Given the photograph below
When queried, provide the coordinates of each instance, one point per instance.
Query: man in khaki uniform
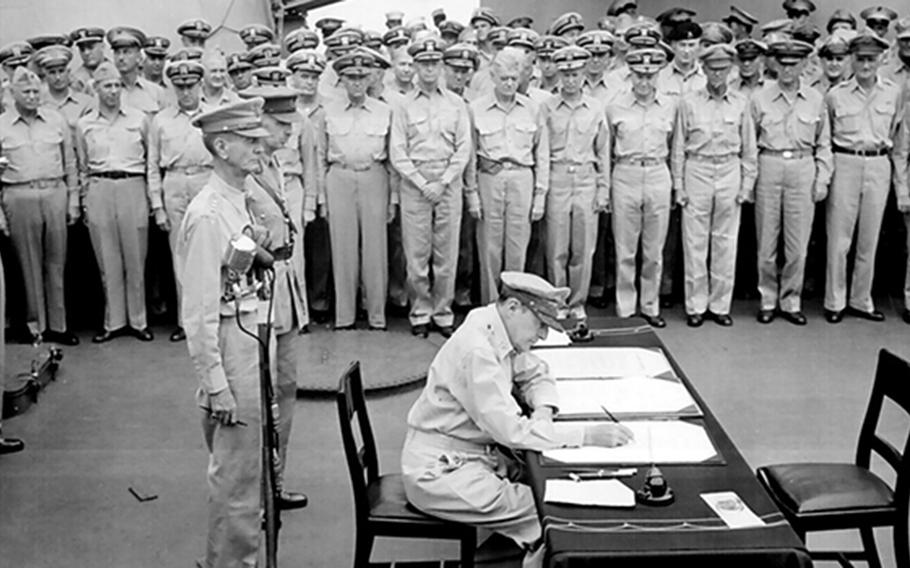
(451, 465)
(713, 162)
(215, 91)
(176, 152)
(901, 159)
(579, 190)
(513, 163)
(40, 197)
(90, 43)
(430, 146)
(53, 61)
(864, 113)
(111, 143)
(794, 169)
(216, 302)
(354, 158)
(138, 92)
(194, 32)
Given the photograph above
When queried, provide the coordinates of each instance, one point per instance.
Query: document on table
(637, 395)
(599, 362)
(594, 493)
(655, 442)
(732, 510)
(555, 339)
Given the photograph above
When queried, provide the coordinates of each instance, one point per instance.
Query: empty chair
(837, 496)
(380, 505)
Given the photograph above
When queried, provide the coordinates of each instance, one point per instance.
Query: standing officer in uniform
(175, 150)
(579, 189)
(513, 164)
(138, 92)
(549, 75)
(713, 163)
(864, 113)
(741, 23)
(430, 146)
(901, 159)
(253, 35)
(216, 302)
(834, 56)
(354, 159)
(194, 32)
(451, 466)
(215, 91)
(90, 43)
(40, 197)
(53, 61)
(794, 169)
(111, 146)
(240, 71)
(640, 124)
(267, 202)
(155, 52)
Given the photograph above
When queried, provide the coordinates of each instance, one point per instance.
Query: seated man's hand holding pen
(607, 435)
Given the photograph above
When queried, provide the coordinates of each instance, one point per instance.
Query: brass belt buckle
(787, 154)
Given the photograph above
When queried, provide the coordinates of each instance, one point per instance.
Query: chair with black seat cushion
(838, 496)
(380, 505)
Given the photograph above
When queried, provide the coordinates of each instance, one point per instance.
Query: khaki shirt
(675, 82)
(72, 106)
(861, 120)
(40, 149)
(639, 130)
(430, 127)
(798, 124)
(118, 145)
(716, 127)
(144, 95)
(356, 135)
(227, 96)
(578, 135)
(517, 134)
(899, 73)
(901, 159)
(217, 215)
(737, 83)
(173, 143)
(468, 395)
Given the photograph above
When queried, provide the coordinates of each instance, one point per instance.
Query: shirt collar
(235, 195)
(686, 75)
(17, 116)
(777, 92)
(494, 102)
(582, 102)
(499, 337)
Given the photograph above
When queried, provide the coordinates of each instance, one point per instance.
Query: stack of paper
(594, 362)
(595, 493)
(631, 395)
(655, 441)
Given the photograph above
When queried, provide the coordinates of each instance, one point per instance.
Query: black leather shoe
(834, 316)
(906, 316)
(874, 315)
(144, 334)
(796, 318)
(303, 330)
(695, 320)
(655, 321)
(722, 319)
(289, 501)
(106, 336)
(61, 337)
(765, 316)
(343, 327)
(178, 335)
(445, 330)
(420, 330)
(11, 445)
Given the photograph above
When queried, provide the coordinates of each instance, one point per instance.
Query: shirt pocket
(339, 125)
(805, 127)
(882, 117)
(47, 144)
(491, 139)
(375, 132)
(97, 145)
(847, 120)
(418, 125)
(523, 136)
(447, 124)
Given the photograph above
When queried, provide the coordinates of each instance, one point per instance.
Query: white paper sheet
(594, 493)
(555, 339)
(734, 512)
(632, 395)
(656, 441)
(593, 362)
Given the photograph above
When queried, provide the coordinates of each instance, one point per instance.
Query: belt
(864, 153)
(36, 183)
(444, 442)
(712, 159)
(788, 154)
(493, 167)
(115, 175)
(190, 170)
(356, 167)
(572, 167)
(283, 252)
(641, 162)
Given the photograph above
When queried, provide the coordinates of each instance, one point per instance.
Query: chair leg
(362, 549)
(468, 547)
(902, 542)
(868, 536)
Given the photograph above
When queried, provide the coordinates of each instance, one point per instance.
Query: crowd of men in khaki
(428, 158)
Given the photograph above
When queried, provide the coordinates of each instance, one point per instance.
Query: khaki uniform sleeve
(70, 166)
(463, 147)
(152, 169)
(901, 160)
(602, 155)
(748, 156)
(398, 149)
(824, 160)
(541, 162)
(678, 149)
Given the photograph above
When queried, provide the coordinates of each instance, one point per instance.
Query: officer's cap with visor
(546, 301)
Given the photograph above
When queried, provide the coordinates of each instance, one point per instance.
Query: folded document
(594, 362)
(594, 493)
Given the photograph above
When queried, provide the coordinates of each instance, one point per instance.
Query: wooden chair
(838, 496)
(380, 505)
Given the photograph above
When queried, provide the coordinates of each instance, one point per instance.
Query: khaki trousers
(783, 206)
(710, 227)
(179, 189)
(571, 231)
(429, 234)
(505, 228)
(641, 213)
(907, 274)
(855, 206)
(293, 190)
(358, 203)
(37, 226)
(118, 217)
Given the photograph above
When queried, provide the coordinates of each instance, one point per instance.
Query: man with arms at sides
(90, 43)
(54, 61)
(138, 92)
(215, 91)
(450, 464)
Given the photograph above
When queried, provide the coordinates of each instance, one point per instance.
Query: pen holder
(655, 492)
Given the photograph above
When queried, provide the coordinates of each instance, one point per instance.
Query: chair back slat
(363, 463)
(892, 382)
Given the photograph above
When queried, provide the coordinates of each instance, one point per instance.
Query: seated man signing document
(476, 387)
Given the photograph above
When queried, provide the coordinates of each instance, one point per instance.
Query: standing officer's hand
(681, 198)
(224, 407)
(537, 214)
(4, 163)
(434, 191)
(390, 214)
(607, 435)
(308, 217)
(72, 215)
(819, 193)
(602, 205)
(903, 206)
(475, 213)
(4, 227)
(323, 212)
(161, 219)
